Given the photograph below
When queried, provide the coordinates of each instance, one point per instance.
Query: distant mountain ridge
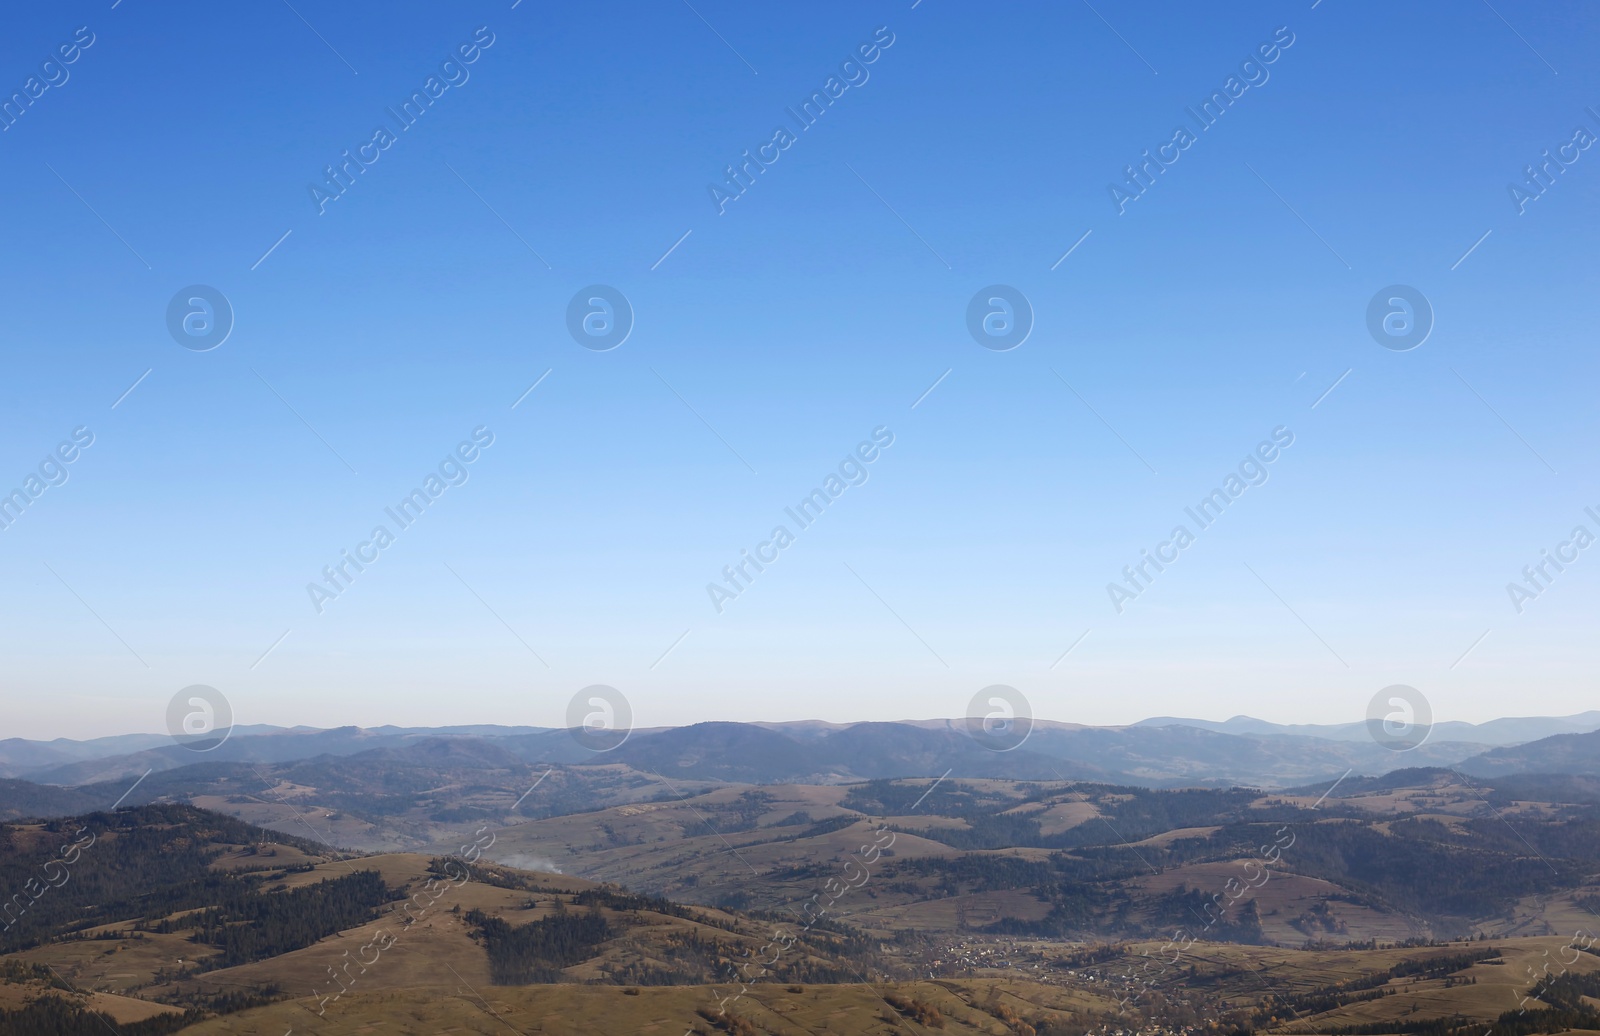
(1159, 752)
(1575, 754)
(1505, 731)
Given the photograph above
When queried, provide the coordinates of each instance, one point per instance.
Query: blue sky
(976, 149)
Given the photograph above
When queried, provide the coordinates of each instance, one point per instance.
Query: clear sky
(1359, 145)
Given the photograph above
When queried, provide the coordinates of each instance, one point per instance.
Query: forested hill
(141, 863)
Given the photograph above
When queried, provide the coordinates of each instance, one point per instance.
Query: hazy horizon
(240, 724)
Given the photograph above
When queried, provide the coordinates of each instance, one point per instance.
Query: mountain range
(1157, 753)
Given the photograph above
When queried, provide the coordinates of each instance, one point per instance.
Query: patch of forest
(135, 864)
(250, 924)
(521, 955)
